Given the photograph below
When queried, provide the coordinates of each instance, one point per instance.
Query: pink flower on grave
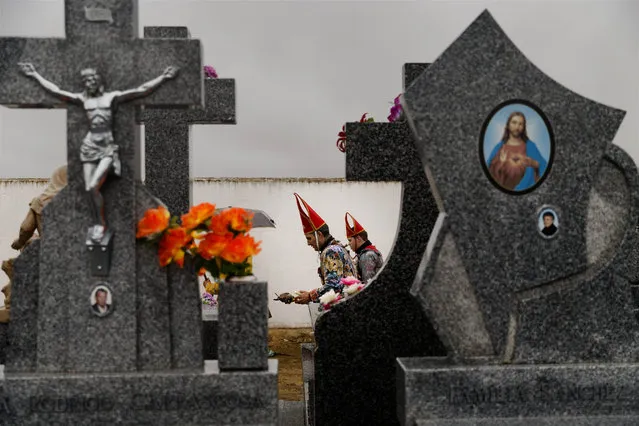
(330, 298)
(396, 110)
(209, 71)
(350, 281)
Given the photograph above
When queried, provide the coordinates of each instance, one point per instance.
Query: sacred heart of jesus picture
(516, 146)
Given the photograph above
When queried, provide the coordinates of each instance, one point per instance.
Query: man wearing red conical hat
(335, 263)
(369, 259)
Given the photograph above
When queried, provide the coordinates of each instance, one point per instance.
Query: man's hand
(285, 298)
(17, 244)
(303, 299)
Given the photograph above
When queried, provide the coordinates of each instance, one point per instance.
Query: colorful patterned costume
(335, 263)
(369, 259)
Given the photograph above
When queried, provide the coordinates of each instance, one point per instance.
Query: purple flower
(208, 299)
(396, 112)
(209, 71)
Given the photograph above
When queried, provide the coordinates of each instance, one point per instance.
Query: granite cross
(101, 38)
(166, 148)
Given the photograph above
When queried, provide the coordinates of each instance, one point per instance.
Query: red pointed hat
(311, 221)
(351, 231)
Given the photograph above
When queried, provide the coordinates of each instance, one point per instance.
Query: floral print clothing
(335, 264)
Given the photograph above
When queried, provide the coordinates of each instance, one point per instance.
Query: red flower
(154, 222)
(197, 215)
(239, 249)
(213, 245)
(341, 141)
(172, 246)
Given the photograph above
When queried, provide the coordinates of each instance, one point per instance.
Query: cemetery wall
(285, 262)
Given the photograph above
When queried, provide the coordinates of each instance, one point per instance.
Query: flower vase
(243, 324)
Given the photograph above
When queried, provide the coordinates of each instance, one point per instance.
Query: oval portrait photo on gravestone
(548, 222)
(516, 146)
(101, 300)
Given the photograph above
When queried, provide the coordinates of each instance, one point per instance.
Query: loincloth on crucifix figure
(99, 153)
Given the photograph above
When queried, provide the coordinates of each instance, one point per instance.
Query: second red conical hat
(353, 230)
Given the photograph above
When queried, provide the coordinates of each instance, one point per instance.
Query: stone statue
(7, 267)
(33, 219)
(98, 152)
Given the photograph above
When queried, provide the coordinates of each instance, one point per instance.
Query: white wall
(286, 262)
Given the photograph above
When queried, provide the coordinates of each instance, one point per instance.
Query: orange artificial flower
(239, 249)
(233, 219)
(220, 224)
(172, 246)
(239, 219)
(155, 221)
(212, 245)
(197, 215)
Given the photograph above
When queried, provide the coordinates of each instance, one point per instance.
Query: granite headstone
(137, 360)
(358, 340)
(527, 277)
(167, 153)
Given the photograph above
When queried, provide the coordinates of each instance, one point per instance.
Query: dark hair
(363, 234)
(324, 230)
(101, 290)
(506, 135)
(546, 214)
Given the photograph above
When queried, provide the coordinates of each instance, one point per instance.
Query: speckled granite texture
(167, 158)
(495, 233)
(537, 421)
(437, 389)
(561, 310)
(359, 340)
(166, 398)
(166, 133)
(142, 363)
(21, 355)
(70, 337)
(243, 325)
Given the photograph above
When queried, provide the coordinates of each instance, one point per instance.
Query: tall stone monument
(359, 340)
(99, 334)
(528, 274)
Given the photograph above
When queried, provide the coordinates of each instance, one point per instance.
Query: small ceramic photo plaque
(548, 222)
(101, 300)
(516, 147)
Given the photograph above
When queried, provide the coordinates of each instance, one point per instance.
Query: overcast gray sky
(304, 67)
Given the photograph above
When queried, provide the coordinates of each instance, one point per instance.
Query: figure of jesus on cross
(98, 152)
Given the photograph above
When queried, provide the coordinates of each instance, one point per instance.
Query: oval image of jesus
(516, 147)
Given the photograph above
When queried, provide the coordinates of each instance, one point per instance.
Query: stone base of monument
(209, 334)
(308, 380)
(181, 397)
(433, 391)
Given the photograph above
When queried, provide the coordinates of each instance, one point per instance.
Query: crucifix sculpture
(99, 150)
